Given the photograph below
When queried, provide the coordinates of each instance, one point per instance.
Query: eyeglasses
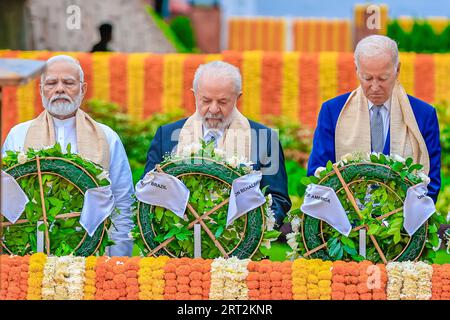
(69, 84)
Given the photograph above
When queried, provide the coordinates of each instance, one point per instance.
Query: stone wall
(133, 29)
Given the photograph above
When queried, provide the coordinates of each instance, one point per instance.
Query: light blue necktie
(377, 129)
(212, 135)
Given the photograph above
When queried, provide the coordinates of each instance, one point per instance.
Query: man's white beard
(61, 108)
(220, 125)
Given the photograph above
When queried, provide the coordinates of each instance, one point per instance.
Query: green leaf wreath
(205, 194)
(374, 199)
(61, 196)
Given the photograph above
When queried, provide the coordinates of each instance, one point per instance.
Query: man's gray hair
(64, 58)
(219, 69)
(375, 45)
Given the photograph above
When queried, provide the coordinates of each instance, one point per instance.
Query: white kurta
(119, 173)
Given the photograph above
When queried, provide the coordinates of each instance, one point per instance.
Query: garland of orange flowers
(358, 281)
(35, 276)
(89, 276)
(117, 278)
(269, 280)
(13, 277)
(440, 288)
(187, 279)
(151, 278)
(311, 279)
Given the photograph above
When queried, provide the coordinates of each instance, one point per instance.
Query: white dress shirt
(119, 173)
(385, 114)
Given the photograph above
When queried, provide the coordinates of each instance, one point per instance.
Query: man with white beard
(62, 90)
(217, 87)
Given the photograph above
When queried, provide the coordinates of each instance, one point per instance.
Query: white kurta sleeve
(122, 189)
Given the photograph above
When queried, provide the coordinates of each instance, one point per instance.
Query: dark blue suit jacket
(166, 139)
(324, 143)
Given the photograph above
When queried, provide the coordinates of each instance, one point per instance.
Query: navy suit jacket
(166, 139)
(324, 142)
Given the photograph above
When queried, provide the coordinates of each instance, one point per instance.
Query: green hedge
(421, 38)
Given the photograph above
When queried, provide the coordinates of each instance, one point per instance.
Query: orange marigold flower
(170, 290)
(253, 284)
(183, 271)
(351, 296)
(183, 280)
(183, 288)
(362, 288)
(170, 276)
(276, 276)
(182, 296)
(196, 290)
(195, 275)
(171, 283)
(365, 296)
(253, 276)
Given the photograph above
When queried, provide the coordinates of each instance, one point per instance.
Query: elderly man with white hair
(379, 116)
(62, 90)
(217, 88)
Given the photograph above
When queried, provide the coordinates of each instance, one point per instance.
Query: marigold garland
(269, 280)
(13, 277)
(89, 278)
(440, 282)
(187, 279)
(117, 278)
(358, 281)
(311, 279)
(35, 276)
(151, 278)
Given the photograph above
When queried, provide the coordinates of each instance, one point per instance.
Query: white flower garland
(228, 279)
(48, 281)
(409, 281)
(64, 278)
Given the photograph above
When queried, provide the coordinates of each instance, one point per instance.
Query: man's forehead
(62, 69)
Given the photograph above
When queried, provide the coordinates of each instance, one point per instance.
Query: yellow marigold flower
(324, 275)
(299, 281)
(324, 283)
(35, 267)
(325, 297)
(91, 262)
(325, 291)
(158, 274)
(158, 290)
(159, 283)
(313, 279)
(313, 296)
(34, 282)
(300, 297)
(311, 286)
(89, 289)
(299, 290)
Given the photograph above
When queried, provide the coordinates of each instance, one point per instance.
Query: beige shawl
(236, 140)
(353, 128)
(91, 140)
